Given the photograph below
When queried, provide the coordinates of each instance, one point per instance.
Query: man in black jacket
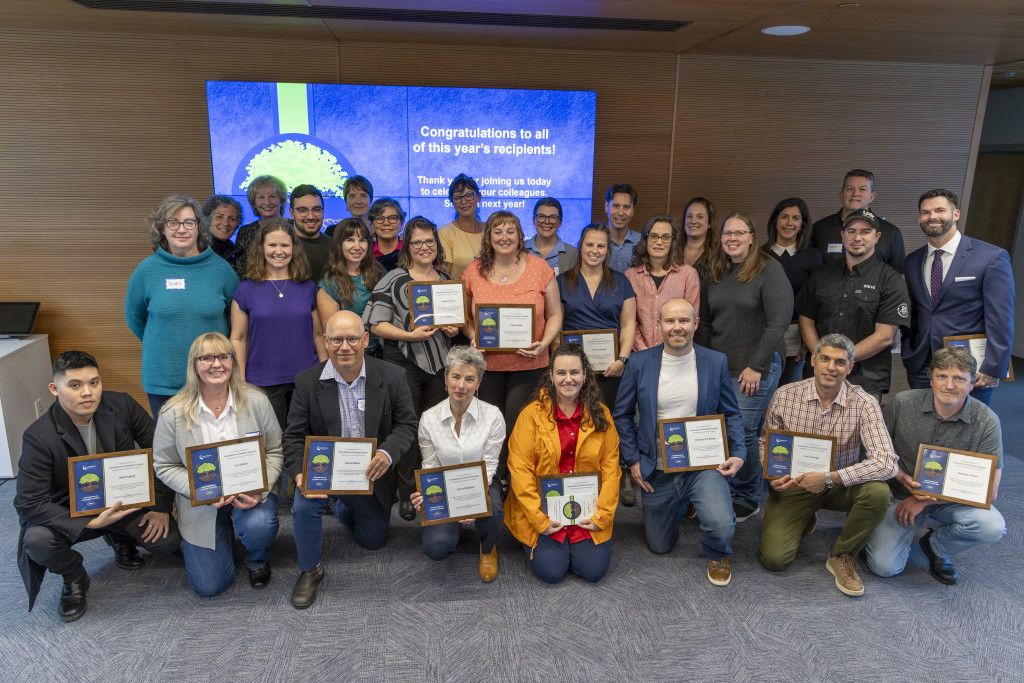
(84, 420)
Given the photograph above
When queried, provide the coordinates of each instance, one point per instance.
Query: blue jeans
(792, 371)
(364, 516)
(156, 402)
(439, 540)
(673, 493)
(211, 571)
(747, 486)
(552, 560)
(960, 527)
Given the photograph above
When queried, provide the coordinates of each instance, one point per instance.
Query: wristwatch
(828, 481)
(623, 359)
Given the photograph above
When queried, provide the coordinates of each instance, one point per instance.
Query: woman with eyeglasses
(352, 273)
(275, 328)
(658, 274)
(386, 217)
(181, 291)
(224, 214)
(267, 196)
(699, 237)
(747, 306)
(421, 351)
(461, 239)
(217, 405)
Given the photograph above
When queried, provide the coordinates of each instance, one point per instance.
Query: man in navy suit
(673, 380)
(958, 286)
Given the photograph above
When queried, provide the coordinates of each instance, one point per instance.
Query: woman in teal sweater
(180, 292)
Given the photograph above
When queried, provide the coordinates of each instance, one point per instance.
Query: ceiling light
(785, 30)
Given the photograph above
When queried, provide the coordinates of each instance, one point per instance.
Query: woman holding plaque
(463, 429)
(746, 309)
(506, 274)
(275, 329)
(216, 405)
(351, 274)
(462, 239)
(595, 297)
(700, 237)
(419, 350)
(565, 430)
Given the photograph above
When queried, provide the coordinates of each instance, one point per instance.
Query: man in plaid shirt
(830, 406)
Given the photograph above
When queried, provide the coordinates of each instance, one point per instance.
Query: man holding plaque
(84, 420)
(351, 395)
(944, 416)
(828, 405)
(679, 379)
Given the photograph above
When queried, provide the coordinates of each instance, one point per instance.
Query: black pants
(52, 549)
(427, 391)
(280, 396)
(510, 392)
(609, 389)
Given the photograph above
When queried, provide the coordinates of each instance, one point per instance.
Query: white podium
(24, 376)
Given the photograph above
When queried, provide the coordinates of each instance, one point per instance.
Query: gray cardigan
(198, 525)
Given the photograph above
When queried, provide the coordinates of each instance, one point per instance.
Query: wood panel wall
(97, 129)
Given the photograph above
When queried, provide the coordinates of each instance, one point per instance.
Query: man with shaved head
(679, 379)
(349, 395)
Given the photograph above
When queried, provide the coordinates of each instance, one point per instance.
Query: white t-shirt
(677, 389)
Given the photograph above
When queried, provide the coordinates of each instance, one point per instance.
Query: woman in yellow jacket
(565, 429)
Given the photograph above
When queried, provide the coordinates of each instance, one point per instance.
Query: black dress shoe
(627, 489)
(260, 577)
(939, 566)
(406, 511)
(127, 556)
(304, 592)
(72, 599)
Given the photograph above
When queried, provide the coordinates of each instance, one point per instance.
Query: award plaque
(600, 346)
(568, 498)
(437, 303)
(226, 468)
(454, 492)
(99, 481)
(796, 453)
(505, 327)
(976, 343)
(336, 466)
(957, 476)
(693, 443)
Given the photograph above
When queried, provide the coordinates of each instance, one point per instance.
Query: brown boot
(488, 565)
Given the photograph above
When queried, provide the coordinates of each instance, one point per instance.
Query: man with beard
(958, 286)
(307, 205)
(859, 297)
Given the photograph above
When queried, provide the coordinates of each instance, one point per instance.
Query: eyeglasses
(460, 198)
(422, 244)
(659, 238)
(224, 359)
(338, 342)
(546, 219)
(390, 220)
(737, 234)
(188, 224)
(304, 210)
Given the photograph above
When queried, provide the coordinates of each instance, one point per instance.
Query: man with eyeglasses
(861, 298)
(547, 218)
(350, 395)
(307, 206)
(619, 204)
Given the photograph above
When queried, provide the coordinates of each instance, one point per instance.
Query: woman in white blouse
(463, 429)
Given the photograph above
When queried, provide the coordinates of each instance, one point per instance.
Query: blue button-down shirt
(351, 402)
(622, 254)
(552, 258)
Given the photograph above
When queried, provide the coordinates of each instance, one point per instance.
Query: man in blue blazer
(966, 289)
(673, 380)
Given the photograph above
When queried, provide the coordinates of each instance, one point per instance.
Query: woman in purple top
(275, 329)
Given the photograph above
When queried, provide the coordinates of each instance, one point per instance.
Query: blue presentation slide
(519, 145)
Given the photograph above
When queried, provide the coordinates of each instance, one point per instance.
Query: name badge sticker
(361, 404)
(835, 248)
(256, 433)
(175, 283)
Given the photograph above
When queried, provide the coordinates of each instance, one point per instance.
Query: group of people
(289, 332)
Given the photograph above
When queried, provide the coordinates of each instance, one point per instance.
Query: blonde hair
(187, 400)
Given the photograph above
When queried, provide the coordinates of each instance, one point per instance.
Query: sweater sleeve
(135, 305)
(777, 300)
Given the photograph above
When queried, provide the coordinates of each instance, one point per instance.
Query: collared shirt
(568, 438)
(554, 256)
(621, 255)
(681, 282)
(351, 402)
(780, 250)
(851, 301)
(480, 436)
(854, 418)
(221, 428)
(975, 427)
(827, 237)
(948, 252)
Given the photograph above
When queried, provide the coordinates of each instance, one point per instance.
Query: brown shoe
(719, 572)
(812, 524)
(691, 512)
(488, 565)
(304, 592)
(844, 568)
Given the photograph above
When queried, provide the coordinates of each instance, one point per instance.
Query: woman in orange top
(565, 429)
(506, 274)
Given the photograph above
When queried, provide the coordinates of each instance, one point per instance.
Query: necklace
(280, 292)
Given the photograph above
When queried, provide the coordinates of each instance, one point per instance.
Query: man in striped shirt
(829, 405)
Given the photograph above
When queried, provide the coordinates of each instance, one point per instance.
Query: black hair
(72, 360)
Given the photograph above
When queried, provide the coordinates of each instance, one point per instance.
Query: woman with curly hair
(565, 429)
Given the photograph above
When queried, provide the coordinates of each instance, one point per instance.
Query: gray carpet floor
(393, 614)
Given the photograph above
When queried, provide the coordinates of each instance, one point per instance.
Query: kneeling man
(84, 420)
(946, 415)
(829, 405)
